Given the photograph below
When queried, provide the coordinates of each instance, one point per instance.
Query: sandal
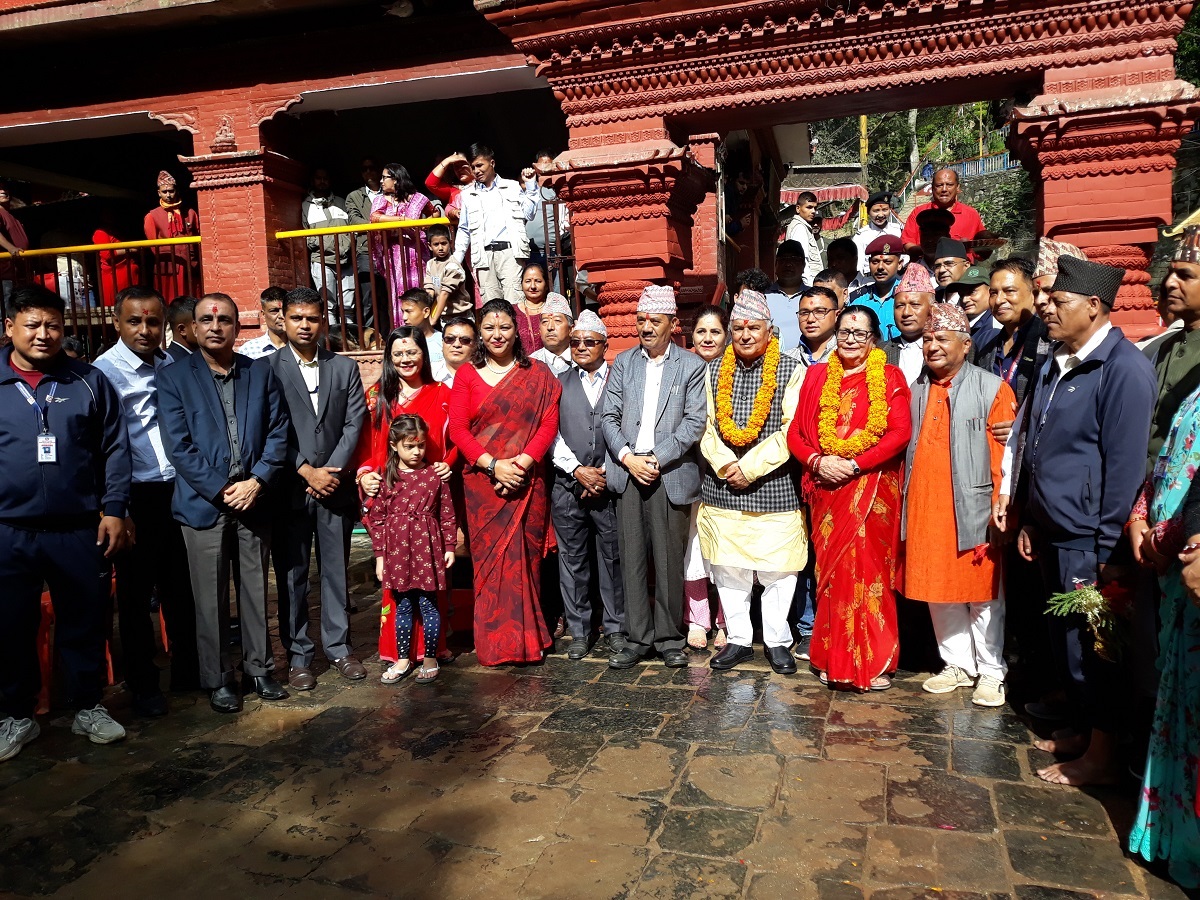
(697, 638)
(394, 673)
(823, 678)
(427, 675)
(882, 683)
(720, 640)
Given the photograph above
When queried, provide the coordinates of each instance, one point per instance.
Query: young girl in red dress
(413, 532)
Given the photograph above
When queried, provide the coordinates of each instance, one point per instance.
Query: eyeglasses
(819, 312)
(388, 175)
(939, 265)
(459, 341)
(407, 354)
(851, 336)
(586, 342)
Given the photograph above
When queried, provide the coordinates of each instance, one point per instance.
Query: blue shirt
(135, 381)
(884, 306)
(783, 308)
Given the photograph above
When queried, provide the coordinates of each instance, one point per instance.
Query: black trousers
(586, 531)
(70, 563)
(158, 559)
(648, 521)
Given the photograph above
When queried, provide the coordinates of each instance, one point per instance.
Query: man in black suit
(323, 394)
(181, 316)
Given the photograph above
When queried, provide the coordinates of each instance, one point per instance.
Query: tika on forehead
(214, 309)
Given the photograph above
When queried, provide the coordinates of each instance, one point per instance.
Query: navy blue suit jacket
(197, 442)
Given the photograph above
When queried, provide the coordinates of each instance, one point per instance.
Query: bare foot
(1064, 742)
(1078, 773)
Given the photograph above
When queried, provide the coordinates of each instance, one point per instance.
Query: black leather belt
(495, 246)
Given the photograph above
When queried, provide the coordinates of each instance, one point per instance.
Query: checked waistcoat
(777, 491)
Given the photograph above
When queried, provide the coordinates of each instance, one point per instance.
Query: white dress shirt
(912, 358)
(1064, 362)
(311, 373)
(135, 382)
(593, 386)
(654, 375)
(558, 362)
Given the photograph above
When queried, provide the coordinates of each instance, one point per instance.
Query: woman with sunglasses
(406, 387)
(503, 418)
(850, 432)
(396, 254)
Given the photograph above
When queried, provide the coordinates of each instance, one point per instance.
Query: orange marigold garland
(732, 434)
(831, 401)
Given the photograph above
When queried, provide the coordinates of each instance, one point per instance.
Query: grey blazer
(681, 415)
(328, 437)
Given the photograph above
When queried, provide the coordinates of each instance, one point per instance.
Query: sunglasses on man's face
(586, 342)
(458, 341)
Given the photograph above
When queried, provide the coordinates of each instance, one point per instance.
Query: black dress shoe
(625, 659)
(226, 700)
(266, 687)
(731, 656)
(781, 660)
(580, 647)
(617, 642)
(152, 706)
(674, 659)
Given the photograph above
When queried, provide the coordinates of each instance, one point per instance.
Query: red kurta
(172, 265)
(855, 532)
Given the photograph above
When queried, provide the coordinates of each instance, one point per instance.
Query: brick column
(632, 210)
(1101, 144)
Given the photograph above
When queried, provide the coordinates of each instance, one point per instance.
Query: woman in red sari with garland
(850, 431)
(406, 387)
(503, 419)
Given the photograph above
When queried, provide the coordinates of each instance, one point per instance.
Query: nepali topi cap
(1048, 254)
(750, 304)
(1091, 279)
(949, 248)
(557, 303)
(1187, 248)
(885, 245)
(916, 280)
(947, 317)
(657, 300)
(589, 321)
(166, 179)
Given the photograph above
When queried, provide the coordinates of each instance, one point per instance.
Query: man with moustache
(883, 258)
(949, 264)
(226, 430)
(654, 413)
(966, 222)
(972, 290)
(914, 299)
(555, 328)
(459, 336)
(784, 294)
(1021, 347)
(157, 560)
(583, 509)
(326, 408)
(64, 495)
(273, 337)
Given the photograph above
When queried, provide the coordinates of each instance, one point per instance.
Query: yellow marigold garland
(831, 401)
(732, 434)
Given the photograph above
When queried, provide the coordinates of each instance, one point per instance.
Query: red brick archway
(1099, 127)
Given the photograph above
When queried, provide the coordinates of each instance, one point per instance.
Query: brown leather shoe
(301, 679)
(350, 668)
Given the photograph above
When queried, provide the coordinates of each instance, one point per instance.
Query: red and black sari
(507, 534)
(855, 532)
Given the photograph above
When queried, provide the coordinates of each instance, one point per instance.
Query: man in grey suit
(358, 209)
(654, 414)
(324, 397)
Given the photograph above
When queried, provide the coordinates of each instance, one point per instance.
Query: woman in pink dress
(397, 254)
(534, 286)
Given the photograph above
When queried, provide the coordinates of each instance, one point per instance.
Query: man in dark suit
(654, 413)
(583, 508)
(181, 317)
(226, 434)
(326, 407)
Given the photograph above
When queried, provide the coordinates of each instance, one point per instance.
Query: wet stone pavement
(567, 780)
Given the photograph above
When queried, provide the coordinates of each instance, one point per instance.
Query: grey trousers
(292, 537)
(647, 520)
(587, 529)
(210, 557)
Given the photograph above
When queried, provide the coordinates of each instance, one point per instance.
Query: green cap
(973, 277)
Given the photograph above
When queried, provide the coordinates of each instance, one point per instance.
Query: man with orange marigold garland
(751, 518)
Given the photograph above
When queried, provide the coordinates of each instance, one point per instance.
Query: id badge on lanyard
(47, 443)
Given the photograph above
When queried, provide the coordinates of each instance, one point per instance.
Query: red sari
(855, 532)
(116, 272)
(431, 403)
(507, 534)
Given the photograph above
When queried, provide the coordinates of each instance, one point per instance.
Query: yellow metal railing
(352, 229)
(89, 248)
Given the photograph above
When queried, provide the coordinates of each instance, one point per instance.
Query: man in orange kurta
(954, 476)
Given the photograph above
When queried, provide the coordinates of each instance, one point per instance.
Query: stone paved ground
(565, 781)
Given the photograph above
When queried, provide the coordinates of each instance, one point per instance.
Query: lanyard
(40, 408)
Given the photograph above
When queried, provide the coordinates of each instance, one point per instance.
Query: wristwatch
(491, 469)
(857, 470)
